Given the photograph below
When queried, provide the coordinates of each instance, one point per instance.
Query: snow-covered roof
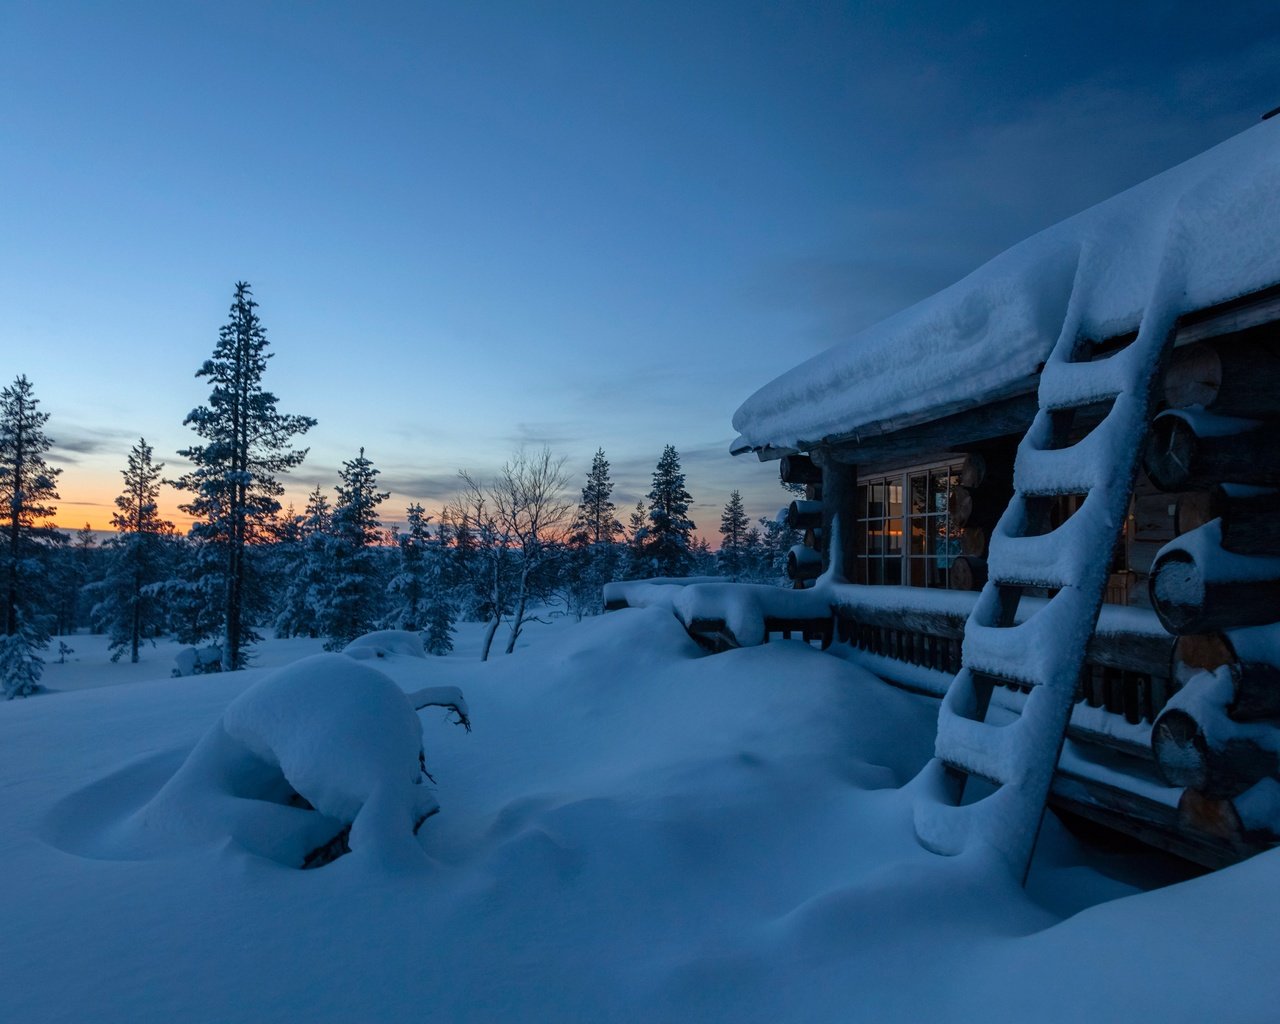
(986, 335)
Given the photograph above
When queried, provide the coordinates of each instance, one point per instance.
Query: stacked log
(1219, 738)
(804, 515)
(1190, 451)
(799, 469)
(1207, 739)
(803, 563)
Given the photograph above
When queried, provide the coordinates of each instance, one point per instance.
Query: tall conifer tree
(128, 608)
(27, 486)
(234, 482)
(352, 605)
(668, 544)
(734, 527)
(594, 548)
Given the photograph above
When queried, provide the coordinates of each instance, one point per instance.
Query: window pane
(874, 570)
(939, 490)
(919, 486)
(875, 536)
(918, 567)
(893, 495)
(893, 570)
(948, 549)
(893, 536)
(875, 507)
(918, 527)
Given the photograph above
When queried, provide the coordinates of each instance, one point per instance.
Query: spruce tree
(670, 528)
(638, 566)
(351, 606)
(597, 520)
(234, 481)
(128, 608)
(308, 574)
(734, 526)
(27, 486)
(438, 633)
(408, 587)
(593, 554)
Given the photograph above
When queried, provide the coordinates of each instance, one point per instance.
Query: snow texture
(635, 832)
(1217, 215)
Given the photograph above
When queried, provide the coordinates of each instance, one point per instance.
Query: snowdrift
(635, 831)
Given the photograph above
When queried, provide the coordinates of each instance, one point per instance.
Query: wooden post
(840, 499)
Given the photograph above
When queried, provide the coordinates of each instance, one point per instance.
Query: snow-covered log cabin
(1049, 493)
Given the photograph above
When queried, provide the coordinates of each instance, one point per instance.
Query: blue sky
(476, 226)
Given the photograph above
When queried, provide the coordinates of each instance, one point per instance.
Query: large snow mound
(1218, 215)
(310, 749)
(635, 831)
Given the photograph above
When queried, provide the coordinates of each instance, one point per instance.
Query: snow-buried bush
(321, 756)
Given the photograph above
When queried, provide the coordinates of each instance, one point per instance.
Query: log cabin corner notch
(908, 436)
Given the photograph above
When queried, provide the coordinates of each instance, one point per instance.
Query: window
(904, 526)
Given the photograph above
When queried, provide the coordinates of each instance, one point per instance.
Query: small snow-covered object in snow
(326, 734)
(386, 642)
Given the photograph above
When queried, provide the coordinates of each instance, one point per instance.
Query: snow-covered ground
(634, 830)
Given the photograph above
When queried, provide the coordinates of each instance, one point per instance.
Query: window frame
(910, 561)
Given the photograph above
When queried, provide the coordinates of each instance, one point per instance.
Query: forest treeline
(525, 539)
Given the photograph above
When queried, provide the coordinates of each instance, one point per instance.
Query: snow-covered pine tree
(234, 481)
(128, 609)
(670, 528)
(79, 563)
(597, 518)
(352, 604)
(776, 539)
(27, 486)
(638, 566)
(408, 587)
(733, 538)
(437, 637)
(20, 663)
(594, 549)
(308, 574)
(702, 560)
(191, 596)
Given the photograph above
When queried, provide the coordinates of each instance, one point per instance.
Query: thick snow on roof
(1218, 214)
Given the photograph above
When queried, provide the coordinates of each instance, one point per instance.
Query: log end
(1180, 751)
(1177, 593)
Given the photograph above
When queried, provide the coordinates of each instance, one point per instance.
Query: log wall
(1215, 452)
